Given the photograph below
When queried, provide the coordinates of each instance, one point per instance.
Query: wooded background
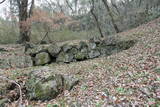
(62, 20)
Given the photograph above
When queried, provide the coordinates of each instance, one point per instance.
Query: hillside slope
(131, 77)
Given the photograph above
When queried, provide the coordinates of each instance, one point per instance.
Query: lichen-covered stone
(54, 50)
(80, 56)
(44, 88)
(92, 45)
(74, 50)
(82, 45)
(94, 54)
(66, 47)
(69, 82)
(49, 85)
(65, 57)
(37, 49)
(42, 58)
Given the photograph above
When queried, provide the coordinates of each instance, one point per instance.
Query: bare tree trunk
(2, 1)
(23, 15)
(24, 28)
(96, 19)
(140, 2)
(76, 8)
(110, 14)
(115, 6)
(67, 2)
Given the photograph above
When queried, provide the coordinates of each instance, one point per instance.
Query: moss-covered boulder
(44, 88)
(66, 47)
(92, 45)
(36, 49)
(82, 45)
(74, 50)
(80, 56)
(45, 84)
(42, 58)
(54, 50)
(65, 57)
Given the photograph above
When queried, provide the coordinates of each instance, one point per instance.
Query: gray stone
(48, 85)
(74, 50)
(65, 57)
(94, 54)
(42, 58)
(36, 49)
(92, 45)
(44, 88)
(66, 47)
(69, 82)
(82, 45)
(82, 54)
(54, 50)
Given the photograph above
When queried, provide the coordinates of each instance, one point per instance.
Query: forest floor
(128, 78)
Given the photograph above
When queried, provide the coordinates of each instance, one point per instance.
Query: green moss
(80, 56)
(42, 58)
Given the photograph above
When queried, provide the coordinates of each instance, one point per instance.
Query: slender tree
(96, 18)
(111, 15)
(2, 1)
(24, 14)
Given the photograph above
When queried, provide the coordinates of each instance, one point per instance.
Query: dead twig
(14, 82)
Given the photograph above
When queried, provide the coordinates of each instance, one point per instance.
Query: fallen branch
(44, 37)
(20, 90)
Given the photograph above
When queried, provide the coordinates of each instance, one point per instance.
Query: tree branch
(2, 1)
(20, 90)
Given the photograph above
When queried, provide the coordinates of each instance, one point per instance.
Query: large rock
(66, 47)
(82, 54)
(92, 45)
(54, 50)
(42, 58)
(16, 62)
(45, 84)
(95, 40)
(36, 49)
(82, 45)
(69, 82)
(65, 57)
(74, 50)
(94, 54)
(44, 88)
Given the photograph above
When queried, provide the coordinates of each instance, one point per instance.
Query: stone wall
(67, 53)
